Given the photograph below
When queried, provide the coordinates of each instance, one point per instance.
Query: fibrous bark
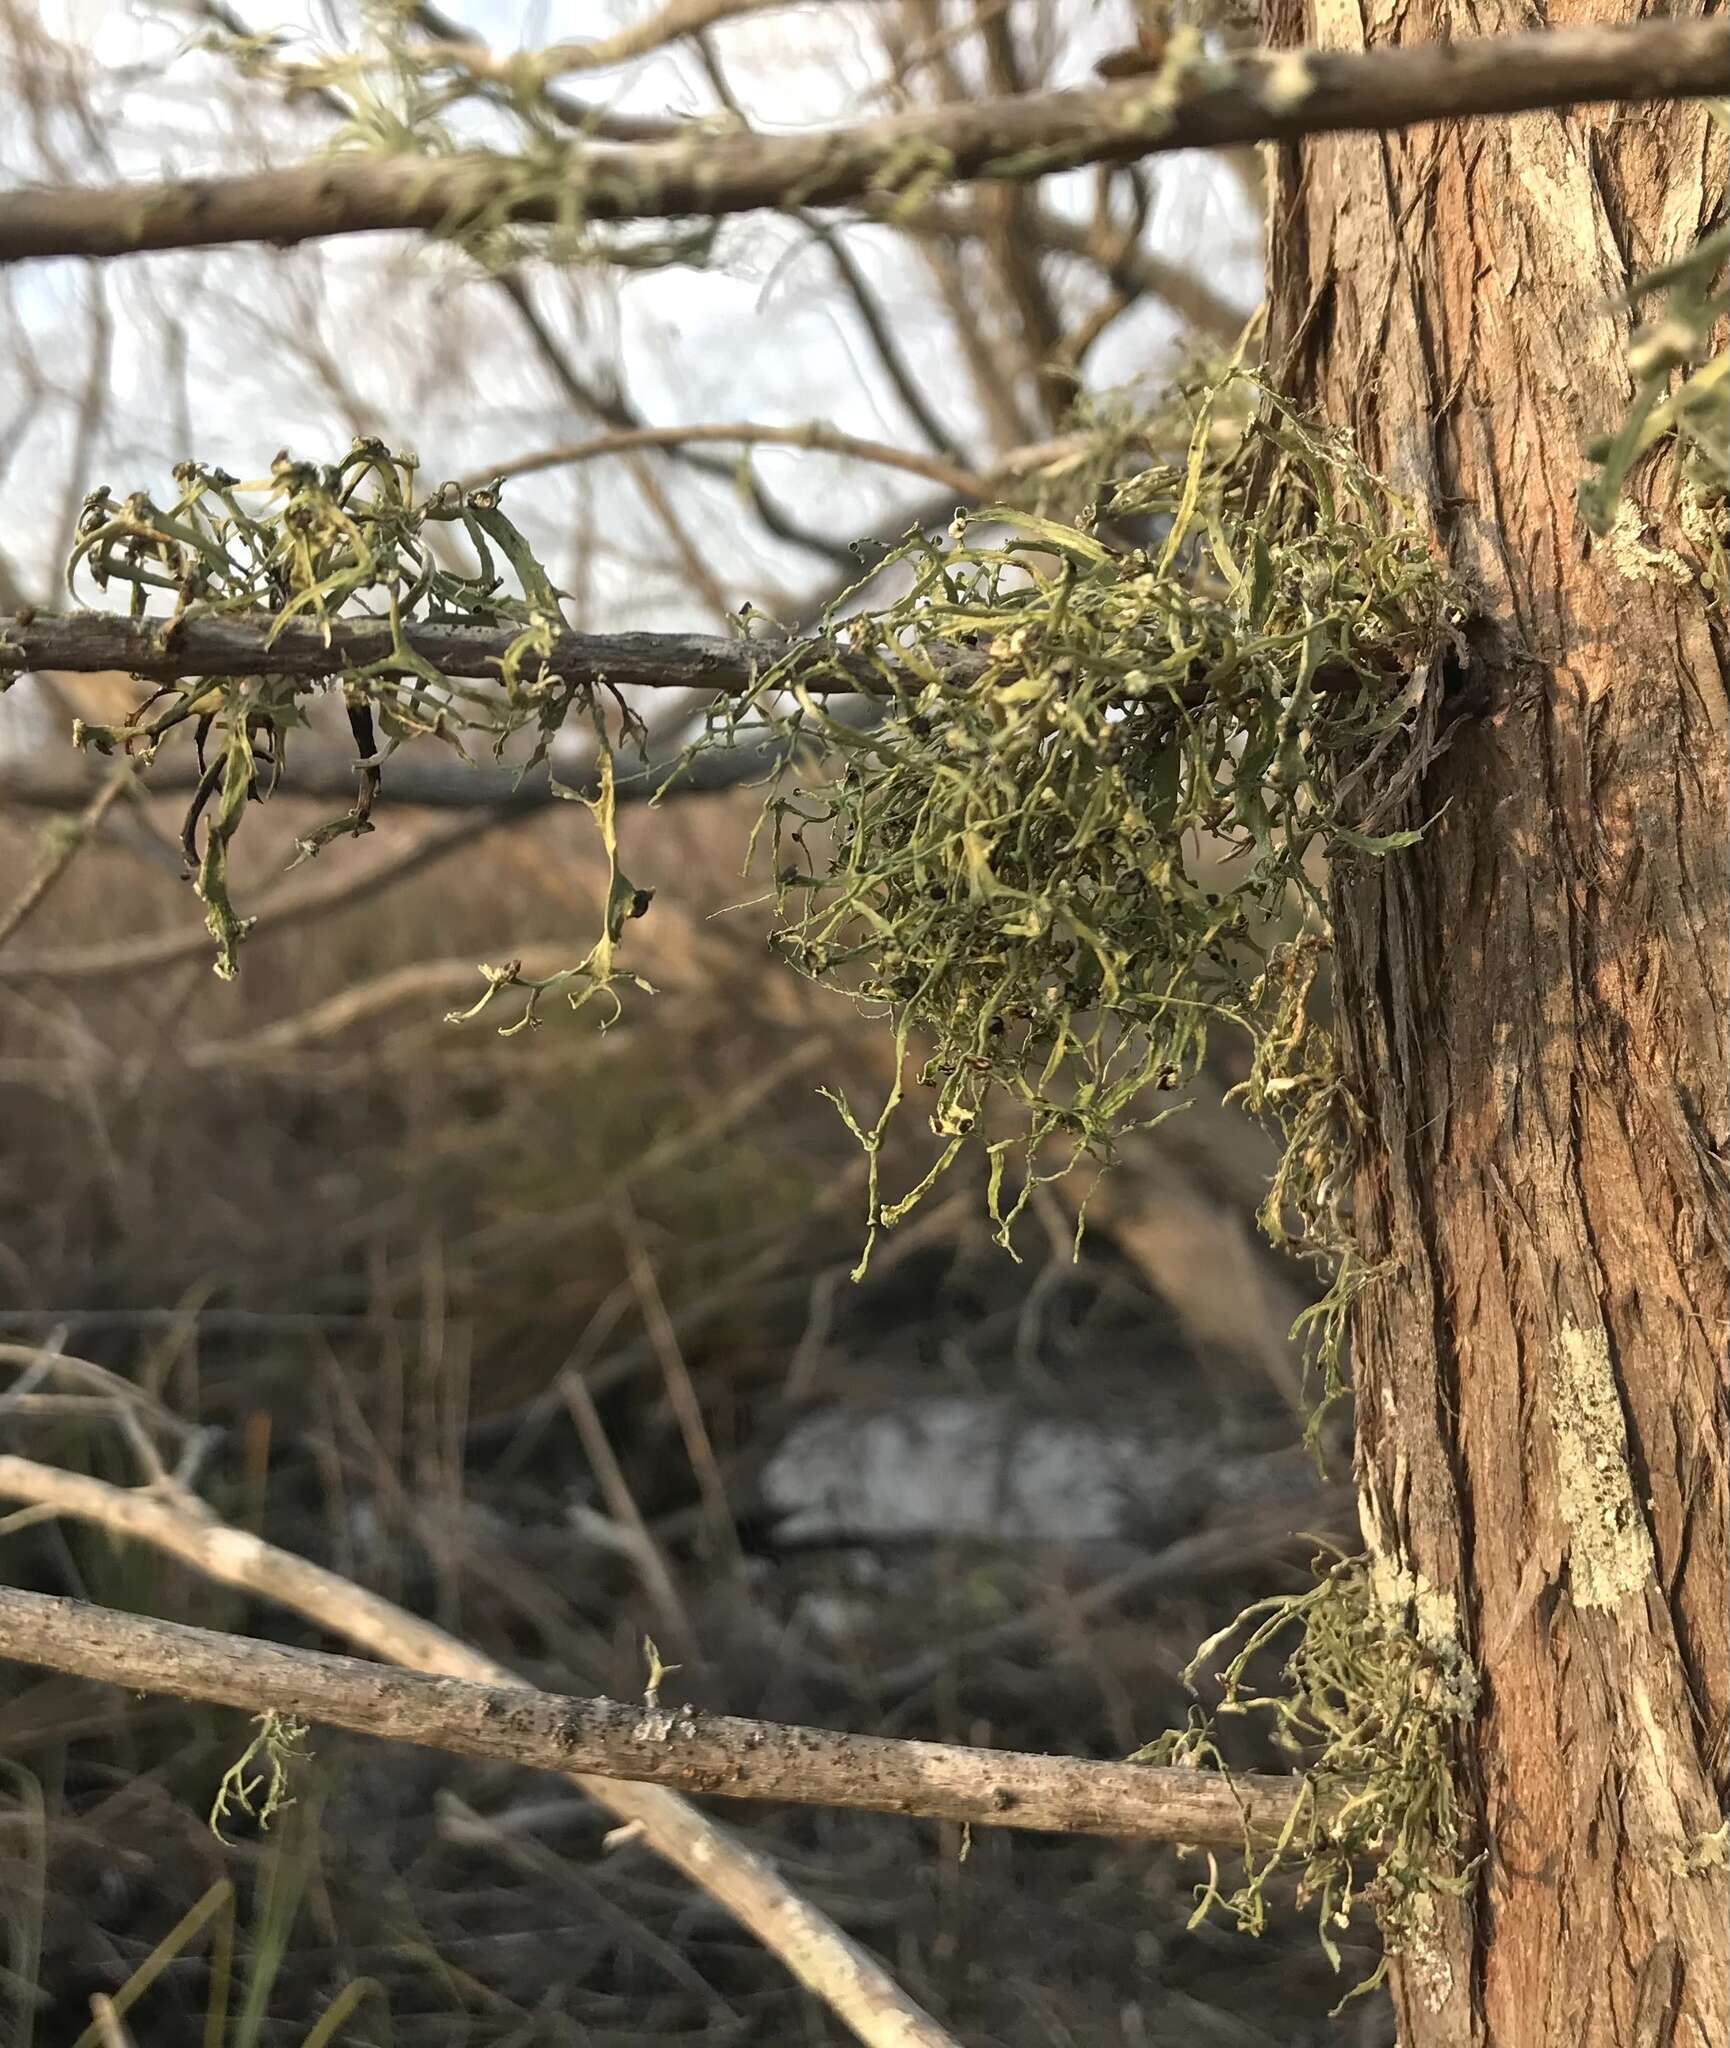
(1532, 1008)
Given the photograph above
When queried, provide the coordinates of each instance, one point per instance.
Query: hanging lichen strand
(1057, 874)
(1372, 1695)
(317, 543)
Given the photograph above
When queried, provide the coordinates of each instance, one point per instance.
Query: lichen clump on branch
(319, 543)
(1080, 837)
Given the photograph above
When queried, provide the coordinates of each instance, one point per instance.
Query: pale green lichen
(1707, 1852)
(1373, 1699)
(1083, 837)
(1611, 1547)
(1637, 558)
(280, 1749)
(321, 542)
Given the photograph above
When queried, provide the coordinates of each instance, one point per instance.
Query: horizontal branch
(717, 1754)
(100, 643)
(61, 780)
(811, 435)
(1216, 102)
(282, 909)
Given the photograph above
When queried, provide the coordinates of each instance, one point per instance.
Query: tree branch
(717, 1754)
(58, 858)
(99, 643)
(617, 412)
(58, 779)
(854, 1985)
(1136, 268)
(880, 331)
(281, 910)
(1216, 102)
(812, 434)
(670, 24)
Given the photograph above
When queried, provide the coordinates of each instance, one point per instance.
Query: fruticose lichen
(1373, 1697)
(1085, 833)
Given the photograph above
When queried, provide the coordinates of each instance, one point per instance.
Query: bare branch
(57, 779)
(852, 1983)
(591, 119)
(965, 483)
(880, 331)
(1211, 103)
(717, 1754)
(1136, 269)
(279, 911)
(490, 796)
(617, 412)
(670, 24)
(60, 857)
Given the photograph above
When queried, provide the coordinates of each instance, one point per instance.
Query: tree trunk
(1532, 1007)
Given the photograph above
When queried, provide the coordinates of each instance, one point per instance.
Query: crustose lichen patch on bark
(1611, 1547)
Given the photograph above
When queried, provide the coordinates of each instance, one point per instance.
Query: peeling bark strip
(1534, 1004)
(702, 1753)
(1206, 103)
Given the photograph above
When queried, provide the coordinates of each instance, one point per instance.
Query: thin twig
(618, 413)
(60, 856)
(880, 330)
(280, 911)
(639, 1542)
(681, 1388)
(814, 434)
(582, 115)
(669, 24)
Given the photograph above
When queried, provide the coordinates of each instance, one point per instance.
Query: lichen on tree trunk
(1532, 1008)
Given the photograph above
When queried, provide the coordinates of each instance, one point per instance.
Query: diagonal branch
(281, 910)
(1209, 103)
(880, 331)
(720, 1755)
(60, 855)
(855, 1986)
(618, 413)
(1135, 268)
(670, 23)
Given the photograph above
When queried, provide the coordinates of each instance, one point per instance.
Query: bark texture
(1533, 1010)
